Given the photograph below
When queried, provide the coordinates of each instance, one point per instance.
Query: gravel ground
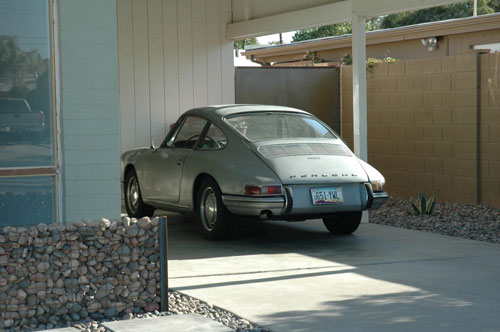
(180, 303)
(475, 222)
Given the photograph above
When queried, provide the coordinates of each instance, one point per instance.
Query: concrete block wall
(490, 128)
(423, 126)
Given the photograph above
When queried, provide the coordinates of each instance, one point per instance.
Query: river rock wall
(54, 274)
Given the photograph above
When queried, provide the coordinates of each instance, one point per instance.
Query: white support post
(359, 87)
(359, 91)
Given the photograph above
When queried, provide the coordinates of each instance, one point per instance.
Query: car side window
(213, 139)
(172, 134)
(189, 133)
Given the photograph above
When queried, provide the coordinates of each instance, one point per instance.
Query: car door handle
(180, 161)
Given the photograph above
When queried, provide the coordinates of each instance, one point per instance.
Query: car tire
(133, 199)
(215, 219)
(343, 223)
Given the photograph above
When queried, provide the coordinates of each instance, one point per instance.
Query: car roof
(219, 111)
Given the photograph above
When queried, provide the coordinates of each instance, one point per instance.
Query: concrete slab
(297, 277)
(174, 323)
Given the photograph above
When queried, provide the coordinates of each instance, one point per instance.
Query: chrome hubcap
(133, 194)
(208, 208)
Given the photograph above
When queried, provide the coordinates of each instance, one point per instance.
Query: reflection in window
(278, 125)
(213, 139)
(25, 84)
(189, 133)
(27, 200)
(26, 113)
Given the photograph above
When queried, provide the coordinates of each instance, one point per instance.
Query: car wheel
(343, 222)
(133, 200)
(215, 219)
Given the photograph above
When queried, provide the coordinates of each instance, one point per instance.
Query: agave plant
(423, 206)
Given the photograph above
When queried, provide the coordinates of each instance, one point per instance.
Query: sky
(287, 38)
(241, 61)
(28, 21)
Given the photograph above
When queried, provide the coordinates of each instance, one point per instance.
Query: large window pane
(27, 200)
(26, 116)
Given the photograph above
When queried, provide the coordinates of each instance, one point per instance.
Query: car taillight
(273, 190)
(377, 186)
(263, 190)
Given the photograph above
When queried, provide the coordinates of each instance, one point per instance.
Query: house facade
(81, 81)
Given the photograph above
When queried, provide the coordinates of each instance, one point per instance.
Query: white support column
(359, 91)
(359, 87)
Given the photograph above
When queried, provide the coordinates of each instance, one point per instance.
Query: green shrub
(423, 206)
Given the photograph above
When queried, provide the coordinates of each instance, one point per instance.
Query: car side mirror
(153, 147)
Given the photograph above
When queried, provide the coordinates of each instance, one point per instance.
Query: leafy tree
(18, 91)
(446, 12)
(495, 5)
(8, 52)
(16, 64)
(338, 29)
(240, 44)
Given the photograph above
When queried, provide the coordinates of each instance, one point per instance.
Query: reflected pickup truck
(16, 116)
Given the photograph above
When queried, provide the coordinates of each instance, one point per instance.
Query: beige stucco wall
(423, 122)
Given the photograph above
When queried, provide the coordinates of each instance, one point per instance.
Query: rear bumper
(297, 201)
(379, 199)
(254, 206)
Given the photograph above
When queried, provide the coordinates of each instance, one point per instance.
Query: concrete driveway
(296, 277)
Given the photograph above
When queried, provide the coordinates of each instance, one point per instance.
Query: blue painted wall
(90, 120)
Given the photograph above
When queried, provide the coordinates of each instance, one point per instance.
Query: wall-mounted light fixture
(430, 43)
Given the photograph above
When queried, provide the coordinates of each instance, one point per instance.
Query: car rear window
(278, 125)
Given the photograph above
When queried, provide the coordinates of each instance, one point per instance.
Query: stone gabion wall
(54, 274)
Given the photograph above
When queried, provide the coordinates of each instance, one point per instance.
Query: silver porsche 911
(258, 161)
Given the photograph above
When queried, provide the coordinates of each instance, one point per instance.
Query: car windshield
(278, 125)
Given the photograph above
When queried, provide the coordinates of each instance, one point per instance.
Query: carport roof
(417, 31)
(252, 18)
